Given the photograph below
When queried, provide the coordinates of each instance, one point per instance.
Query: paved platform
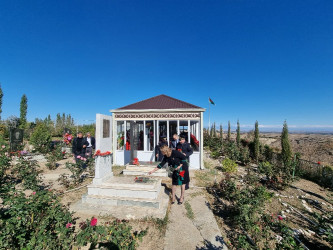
(143, 170)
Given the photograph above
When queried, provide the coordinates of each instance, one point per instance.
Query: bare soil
(299, 195)
(313, 147)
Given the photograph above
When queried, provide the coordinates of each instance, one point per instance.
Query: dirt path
(192, 225)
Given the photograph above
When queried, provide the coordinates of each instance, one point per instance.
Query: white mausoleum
(138, 127)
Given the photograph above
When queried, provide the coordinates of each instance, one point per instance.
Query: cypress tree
(211, 130)
(1, 95)
(214, 132)
(221, 133)
(229, 132)
(256, 142)
(23, 111)
(286, 153)
(238, 134)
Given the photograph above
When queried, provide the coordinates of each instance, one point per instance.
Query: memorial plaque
(16, 138)
(106, 128)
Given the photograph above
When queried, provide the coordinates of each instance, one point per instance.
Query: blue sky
(257, 60)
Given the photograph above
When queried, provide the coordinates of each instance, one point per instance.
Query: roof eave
(156, 110)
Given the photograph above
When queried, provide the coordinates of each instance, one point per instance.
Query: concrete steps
(124, 201)
(125, 191)
(126, 187)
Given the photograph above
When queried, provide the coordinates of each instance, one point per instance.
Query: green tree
(23, 111)
(41, 138)
(256, 142)
(221, 133)
(286, 153)
(214, 131)
(238, 134)
(229, 132)
(1, 95)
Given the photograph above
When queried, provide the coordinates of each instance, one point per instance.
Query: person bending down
(180, 175)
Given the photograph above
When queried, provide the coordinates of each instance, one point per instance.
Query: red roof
(160, 102)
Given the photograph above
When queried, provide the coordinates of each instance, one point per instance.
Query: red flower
(318, 162)
(182, 173)
(280, 217)
(93, 222)
(68, 225)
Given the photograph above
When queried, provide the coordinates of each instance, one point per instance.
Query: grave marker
(103, 164)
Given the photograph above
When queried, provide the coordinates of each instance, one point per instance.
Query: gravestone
(103, 164)
(68, 131)
(16, 138)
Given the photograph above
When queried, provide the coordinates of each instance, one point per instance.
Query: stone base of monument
(123, 197)
(144, 170)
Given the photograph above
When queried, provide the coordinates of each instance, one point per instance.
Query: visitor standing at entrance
(174, 142)
(163, 142)
(79, 146)
(186, 149)
(180, 175)
(91, 145)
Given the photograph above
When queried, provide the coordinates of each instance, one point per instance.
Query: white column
(188, 130)
(177, 127)
(157, 131)
(144, 137)
(125, 135)
(168, 132)
(115, 138)
(201, 142)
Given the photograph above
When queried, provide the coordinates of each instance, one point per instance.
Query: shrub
(231, 151)
(215, 154)
(229, 165)
(228, 187)
(244, 155)
(249, 203)
(268, 153)
(327, 176)
(27, 172)
(266, 168)
(51, 162)
(77, 170)
(113, 235)
(41, 138)
(35, 221)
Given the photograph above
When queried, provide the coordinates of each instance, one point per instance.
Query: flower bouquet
(68, 138)
(136, 162)
(142, 180)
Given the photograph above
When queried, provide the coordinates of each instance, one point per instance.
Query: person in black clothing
(159, 155)
(180, 175)
(186, 149)
(79, 146)
(91, 145)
